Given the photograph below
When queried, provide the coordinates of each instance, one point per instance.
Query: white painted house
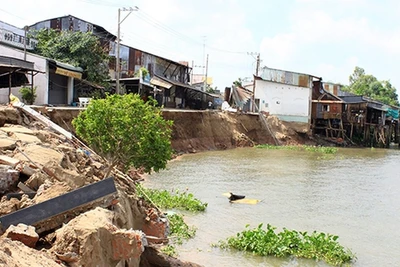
(284, 94)
(54, 80)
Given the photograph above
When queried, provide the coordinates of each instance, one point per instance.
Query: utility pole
(118, 67)
(204, 51)
(205, 77)
(253, 103)
(25, 30)
(258, 64)
(191, 80)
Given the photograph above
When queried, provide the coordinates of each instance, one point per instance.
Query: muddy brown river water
(354, 194)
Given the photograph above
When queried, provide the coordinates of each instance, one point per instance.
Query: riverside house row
(312, 106)
(168, 81)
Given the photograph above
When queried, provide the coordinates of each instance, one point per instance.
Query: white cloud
(328, 44)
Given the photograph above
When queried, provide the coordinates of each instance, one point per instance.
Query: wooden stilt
(351, 131)
(342, 129)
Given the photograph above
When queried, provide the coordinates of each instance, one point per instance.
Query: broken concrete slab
(39, 154)
(38, 215)
(5, 160)
(23, 233)
(26, 138)
(7, 143)
(11, 128)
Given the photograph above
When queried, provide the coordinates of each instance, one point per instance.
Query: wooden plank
(46, 210)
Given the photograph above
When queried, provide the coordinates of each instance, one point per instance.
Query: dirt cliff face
(194, 130)
(210, 130)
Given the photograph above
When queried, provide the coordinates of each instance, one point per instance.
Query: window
(325, 108)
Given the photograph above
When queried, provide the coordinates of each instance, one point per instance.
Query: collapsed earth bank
(100, 233)
(38, 165)
(196, 131)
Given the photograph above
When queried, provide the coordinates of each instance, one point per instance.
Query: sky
(325, 38)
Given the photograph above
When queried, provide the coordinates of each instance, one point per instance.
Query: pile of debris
(57, 208)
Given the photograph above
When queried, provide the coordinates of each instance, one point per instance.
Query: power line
(99, 2)
(146, 17)
(5, 11)
(141, 14)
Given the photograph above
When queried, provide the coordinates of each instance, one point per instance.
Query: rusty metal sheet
(286, 77)
(303, 81)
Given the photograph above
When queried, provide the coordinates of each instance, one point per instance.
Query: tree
(238, 82)
(211, 90)
(368, 85)
(126, 131)
(80, 49)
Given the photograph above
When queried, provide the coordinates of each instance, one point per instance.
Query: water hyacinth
(317, 246)
(179, 230)
(165, 200)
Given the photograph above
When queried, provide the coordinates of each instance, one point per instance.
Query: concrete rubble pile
(38, 169)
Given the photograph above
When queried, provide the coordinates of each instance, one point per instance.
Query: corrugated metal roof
(159, 82)
(243, 94)
(286, 77)
(16, 63)
(176, 83)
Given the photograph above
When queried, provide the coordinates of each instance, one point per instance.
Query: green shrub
(317, 246)
(28, 94)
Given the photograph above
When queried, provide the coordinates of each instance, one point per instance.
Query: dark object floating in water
(235, 197)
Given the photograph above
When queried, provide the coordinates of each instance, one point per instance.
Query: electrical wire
(152, 21)
(144, 16)
(16, 16)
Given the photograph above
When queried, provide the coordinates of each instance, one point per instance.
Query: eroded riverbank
(352, 194)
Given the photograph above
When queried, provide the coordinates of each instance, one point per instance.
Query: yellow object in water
(243, 200)
(246, 201)
(14, 99)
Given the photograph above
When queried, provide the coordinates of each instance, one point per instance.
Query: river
(354, 194)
